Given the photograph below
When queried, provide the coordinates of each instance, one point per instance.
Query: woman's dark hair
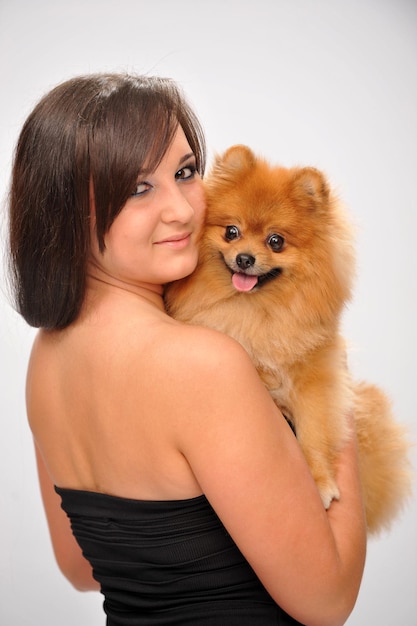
(99, 130)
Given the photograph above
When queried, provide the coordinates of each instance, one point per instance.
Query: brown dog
(276, 268)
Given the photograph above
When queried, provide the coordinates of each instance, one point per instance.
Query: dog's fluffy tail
(383, 457)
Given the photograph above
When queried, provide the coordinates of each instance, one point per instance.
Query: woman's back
(97, 408)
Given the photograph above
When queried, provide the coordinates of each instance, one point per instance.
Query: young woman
(186, 497)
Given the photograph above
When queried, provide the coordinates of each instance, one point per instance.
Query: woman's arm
(66, 549)
(251, 468)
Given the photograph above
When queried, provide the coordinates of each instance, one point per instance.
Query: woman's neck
(102, 287)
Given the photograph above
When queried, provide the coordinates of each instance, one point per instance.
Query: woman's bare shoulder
(205, 358)
(202, 343)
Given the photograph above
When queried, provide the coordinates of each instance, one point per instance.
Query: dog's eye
(232, 232)
(276, 242)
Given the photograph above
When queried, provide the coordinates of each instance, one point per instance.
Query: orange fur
(288, 222)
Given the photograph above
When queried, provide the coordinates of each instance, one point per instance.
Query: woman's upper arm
(66, 549)
(248, 463)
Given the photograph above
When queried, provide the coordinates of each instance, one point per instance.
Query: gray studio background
(329, 83)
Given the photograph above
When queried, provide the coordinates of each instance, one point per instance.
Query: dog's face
(273, 229)
(275, 241)
(250, 246)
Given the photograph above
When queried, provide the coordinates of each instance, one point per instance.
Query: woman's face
(153, 238)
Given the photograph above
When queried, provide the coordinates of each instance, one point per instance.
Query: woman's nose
(176, 207)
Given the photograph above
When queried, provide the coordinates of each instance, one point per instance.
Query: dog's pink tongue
(243, 282)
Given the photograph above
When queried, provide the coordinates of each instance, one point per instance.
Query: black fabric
(167, 563)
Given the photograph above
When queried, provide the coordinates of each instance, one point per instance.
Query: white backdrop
(329, 83)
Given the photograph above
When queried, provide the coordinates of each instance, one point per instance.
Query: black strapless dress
(167, 563)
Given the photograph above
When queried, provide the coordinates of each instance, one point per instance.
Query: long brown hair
(102, 129)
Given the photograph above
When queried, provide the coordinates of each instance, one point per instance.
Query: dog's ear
(312, 183)
(237, 159)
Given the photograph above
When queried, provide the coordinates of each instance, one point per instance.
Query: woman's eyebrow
(186, 157)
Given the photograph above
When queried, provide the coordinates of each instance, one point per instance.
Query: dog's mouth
(249, 282)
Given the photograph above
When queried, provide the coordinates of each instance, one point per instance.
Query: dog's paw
(328, 492)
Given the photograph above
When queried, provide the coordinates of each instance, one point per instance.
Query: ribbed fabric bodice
(167, 563)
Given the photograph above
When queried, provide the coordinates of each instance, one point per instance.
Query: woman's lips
(176, 241)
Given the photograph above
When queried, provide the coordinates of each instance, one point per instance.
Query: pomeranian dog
(275, 270)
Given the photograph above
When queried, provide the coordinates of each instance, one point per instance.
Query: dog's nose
(245, 261)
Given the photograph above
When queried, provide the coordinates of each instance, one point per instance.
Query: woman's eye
(141, 188)
(232, 232)
(185, 173)
(276, 242)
